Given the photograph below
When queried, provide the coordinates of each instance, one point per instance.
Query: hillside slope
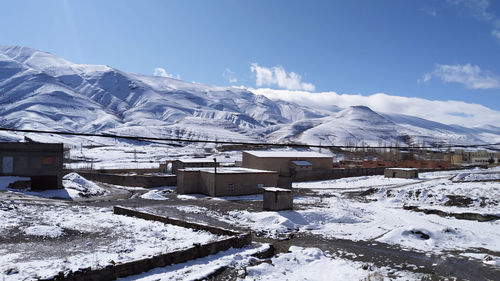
(39, 90)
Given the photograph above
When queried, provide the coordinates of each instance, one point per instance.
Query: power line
(298, 145)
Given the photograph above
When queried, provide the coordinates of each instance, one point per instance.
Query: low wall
(336, 173)
(197, 226)
(124, 171)
(136, 181)
(112, 272)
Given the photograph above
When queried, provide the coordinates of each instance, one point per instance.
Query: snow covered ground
(43, 236)
(74, 187)
(298, 264)
(313, 264)
(39, 240)
(199, 269)
(371, 208)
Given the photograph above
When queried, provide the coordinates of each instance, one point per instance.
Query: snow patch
(84, 187)
(44, 231)
(153, 195)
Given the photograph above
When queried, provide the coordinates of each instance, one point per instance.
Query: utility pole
(215, 176)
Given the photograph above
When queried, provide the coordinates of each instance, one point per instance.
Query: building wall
(477, 157)
(124, 180)
(423, 164)
(207, 184)
(243, 184)
(336, 173)
(376, 164)
(282, 164)
(278, 200)
(300, 167)
(188, 181)
(42, 162)
(454, 159)
(178, 164)
(401, 173)
(218, 184)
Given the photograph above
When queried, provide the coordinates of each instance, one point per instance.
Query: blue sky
(430, 49)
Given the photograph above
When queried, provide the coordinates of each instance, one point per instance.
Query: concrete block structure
(286, 163)
(277, 199)
(192, 163)
(216, 182)
(42, 162)
(477, 157)
(405, 173)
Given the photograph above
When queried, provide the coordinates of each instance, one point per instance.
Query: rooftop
(276, 189)
(195, 160)
(302, 163)
(230, 170)
(287, 154)
(403, 169)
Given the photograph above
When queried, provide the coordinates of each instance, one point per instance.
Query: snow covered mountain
(39, 90)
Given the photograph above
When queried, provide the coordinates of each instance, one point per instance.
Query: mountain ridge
(42, 91)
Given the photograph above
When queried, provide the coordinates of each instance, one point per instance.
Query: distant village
(43, 163)
(194, 189)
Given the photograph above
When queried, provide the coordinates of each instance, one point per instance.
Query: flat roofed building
(405, 173)
(300, 166)
(284, 162)
(232, 181)
(43, 162)
(192, 163)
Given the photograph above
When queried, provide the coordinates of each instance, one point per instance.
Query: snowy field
(40, 240)
(298, 264)
(74, 187)
(43, 236)
(313, 264)
(371, 209)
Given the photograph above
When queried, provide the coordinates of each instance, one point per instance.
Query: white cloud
(278, 76)
(496, 34)
(479, 10)
(447, 112)
(229, 75)
(163, 73)
(471, 76)
(429, 11)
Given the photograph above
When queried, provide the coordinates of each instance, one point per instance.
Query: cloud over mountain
(448, 112)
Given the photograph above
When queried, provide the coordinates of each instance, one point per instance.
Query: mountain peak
(41, 90)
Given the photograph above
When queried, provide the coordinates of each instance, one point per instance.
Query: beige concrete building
(478, 157)
(192, 163)
(454, 159)
(405, 173)
(286, 163)
(224, 181)
(42, 162)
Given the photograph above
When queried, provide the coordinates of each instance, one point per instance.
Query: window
(230, 188)
(260, 185)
